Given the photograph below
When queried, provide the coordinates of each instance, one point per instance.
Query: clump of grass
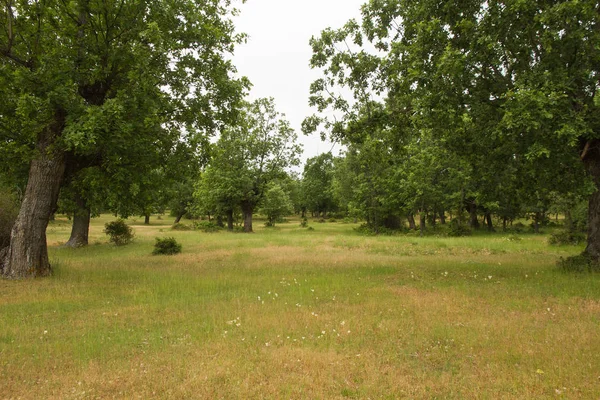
(166, 246)
(119, 232)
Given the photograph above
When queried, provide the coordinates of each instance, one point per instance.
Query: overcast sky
(276, 57)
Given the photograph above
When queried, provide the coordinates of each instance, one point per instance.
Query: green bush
(119, 232)
(567, 238)
(458, 230)
(8, 215)
(207, 226)
(580, 263)
(304, 222)
(332, 220)
(166, 246)
(181, 227)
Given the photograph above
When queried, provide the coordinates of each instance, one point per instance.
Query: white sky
(277, 55)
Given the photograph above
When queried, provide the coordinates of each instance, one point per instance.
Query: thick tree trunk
(27, 255)
(473, 215)
(230, 220)
(504, 223)
(411, 222)
(442, 217)
(81, 225)
(147, 219)
(422, 218)
(536, 222)
(248, 210)
(489, 222)
(591, 160)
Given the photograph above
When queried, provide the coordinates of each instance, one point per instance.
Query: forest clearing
(289, 312)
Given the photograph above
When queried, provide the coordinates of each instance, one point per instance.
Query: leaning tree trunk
(591, 160)
(178, 218)
(248, 210)
(27, 255)
(81, 224)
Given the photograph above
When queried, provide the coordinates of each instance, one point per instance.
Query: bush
(580, 263)
(119, 232)
(458, 230)
(8, 215)
(207, 226)
(332, 220)
(166, 246)
(567, 238)
(304, 222)
(181, 227)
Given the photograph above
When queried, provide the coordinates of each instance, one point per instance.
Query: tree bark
(411, 222)
(248, 210)
(442, 217)
(591, 161)
(489, 222)
(422, 223)
(27, 255)
(147, 219)
(81, 224)
(220, 223)
(473, 214)
(536, 222)
(178, 218)
(230, 220)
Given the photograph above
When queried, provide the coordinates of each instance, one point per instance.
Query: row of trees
(484, 105)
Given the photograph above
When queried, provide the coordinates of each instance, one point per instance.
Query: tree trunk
(81, 224)
(422, 218)
(536, 222)
(504, 223)
(442, 217)
(248, 210)
(220, 223)
(411, 222)
(473, 214)
(489, 222)
(147, 219)
(230, 220)
(27, 255)
(178, 218)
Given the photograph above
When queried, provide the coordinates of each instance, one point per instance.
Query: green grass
(291, 313)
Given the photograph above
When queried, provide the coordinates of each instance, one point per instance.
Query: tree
(317, 184)
(248, 157)
(89, 82)
(275, 204)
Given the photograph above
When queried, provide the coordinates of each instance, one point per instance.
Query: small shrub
(207, 226)
(579, 264)
(304, 222)
(332, 220)
(567, 238)
(310, 228)
(119, 232)
(166, 246)
(458, 230)
(321, 220)
(181, 227)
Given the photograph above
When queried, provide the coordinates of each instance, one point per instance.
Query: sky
(277, 55)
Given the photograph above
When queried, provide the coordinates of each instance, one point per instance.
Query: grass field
(291, 313)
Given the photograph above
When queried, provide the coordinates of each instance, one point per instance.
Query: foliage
(457, 229)
(166, 246)
(207, 226)
(566, 237)
(181, 227)
(304, 222)
(275, 205)
(579, 264)
(119, 232)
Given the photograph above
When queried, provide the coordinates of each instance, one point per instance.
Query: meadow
(288, 312)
